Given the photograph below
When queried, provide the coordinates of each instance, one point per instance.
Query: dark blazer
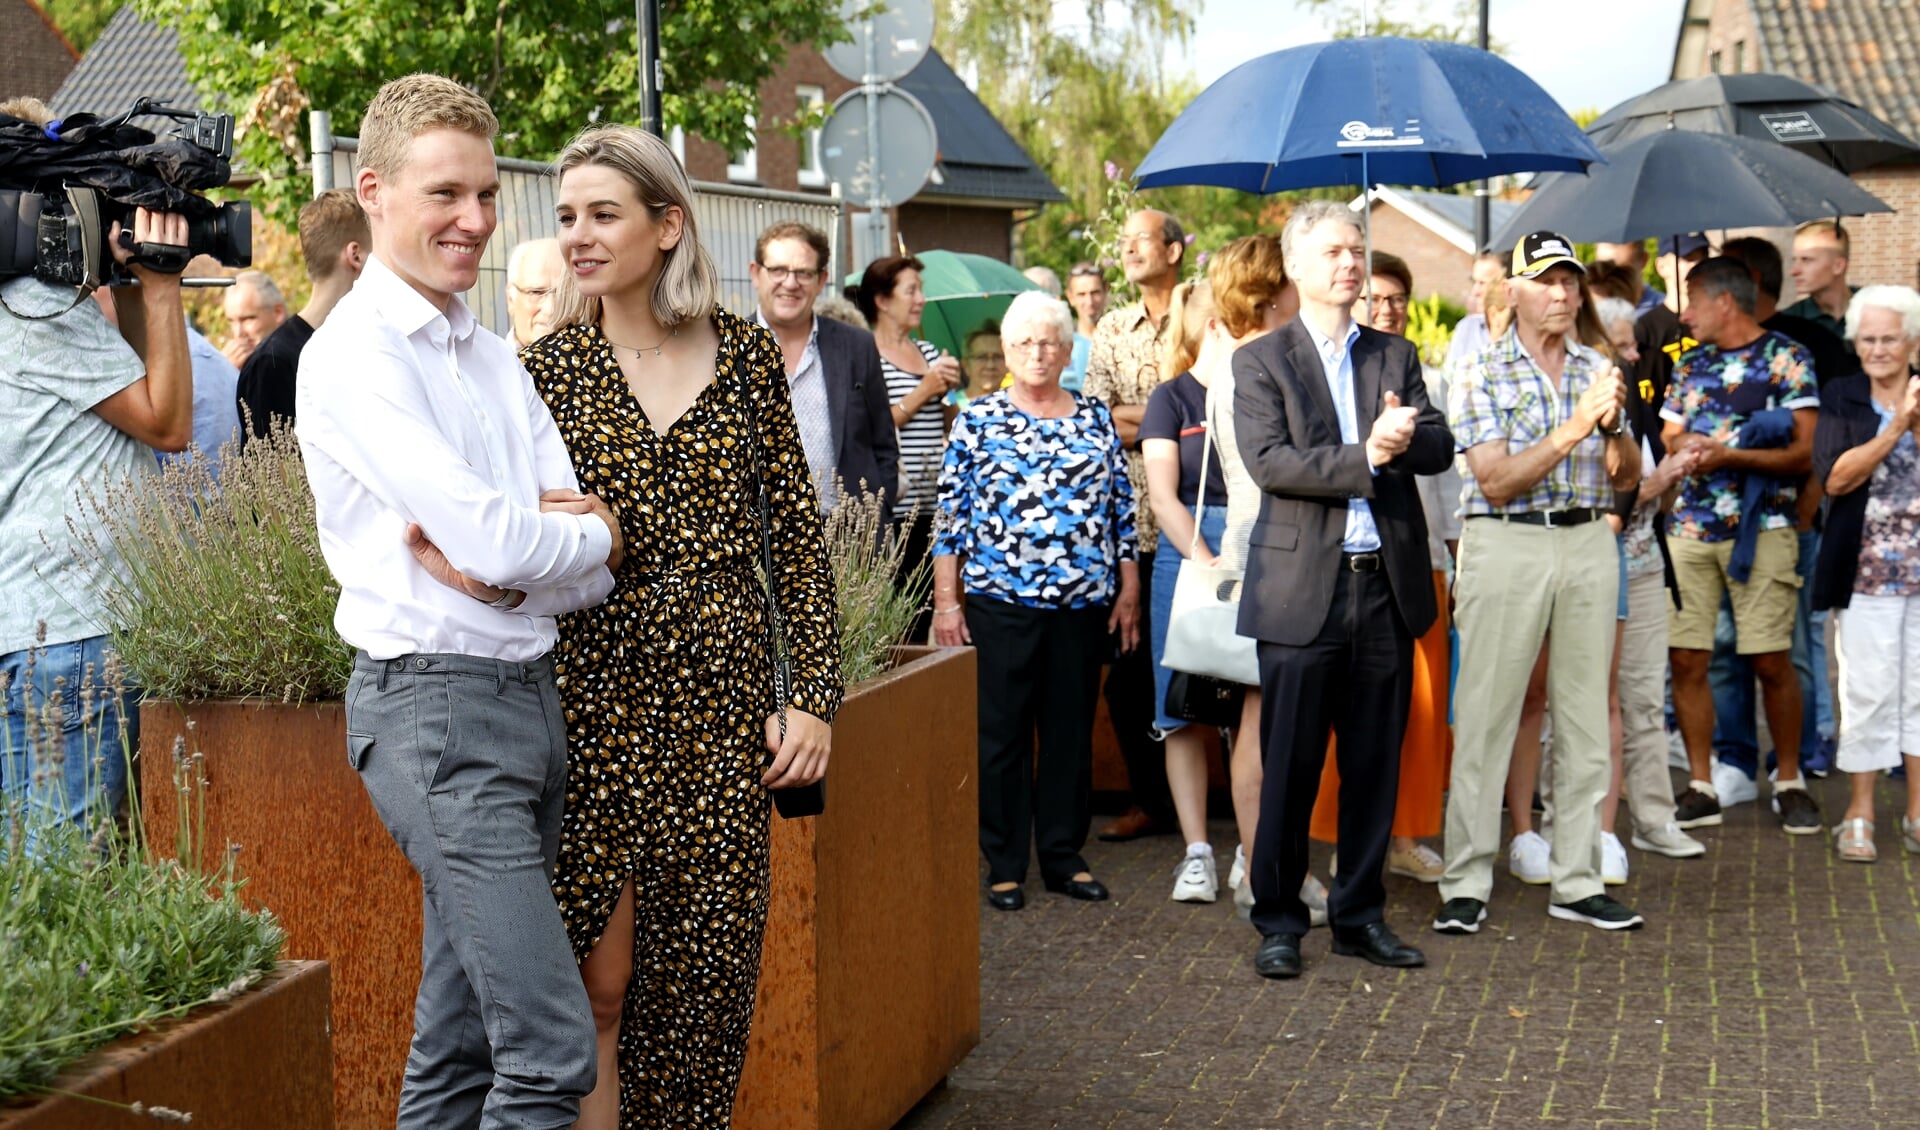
(865, 447)
(1290, 439)
(1847, 420)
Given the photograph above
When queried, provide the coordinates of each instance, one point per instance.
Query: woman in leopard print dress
(667, 686)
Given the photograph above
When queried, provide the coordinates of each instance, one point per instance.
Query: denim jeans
(1735, 737)
(64, 761)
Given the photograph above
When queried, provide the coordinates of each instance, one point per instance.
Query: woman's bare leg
(607, 971)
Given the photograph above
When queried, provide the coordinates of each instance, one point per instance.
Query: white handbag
(1203, 634)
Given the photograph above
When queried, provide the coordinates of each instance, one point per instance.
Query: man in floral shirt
(1742, 379)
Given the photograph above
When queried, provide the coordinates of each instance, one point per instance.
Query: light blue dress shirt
(216, 409)
(1336, 361)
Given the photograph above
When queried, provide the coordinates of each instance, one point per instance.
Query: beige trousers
(1515, 584)
(1648, 787)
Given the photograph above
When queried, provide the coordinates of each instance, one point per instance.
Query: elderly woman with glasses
(1035, 564)
(1869, 564)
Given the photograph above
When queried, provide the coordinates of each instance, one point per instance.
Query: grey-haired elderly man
(1540, 419)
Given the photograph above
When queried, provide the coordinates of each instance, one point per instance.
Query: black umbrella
(1769, 107)
(1679, 181)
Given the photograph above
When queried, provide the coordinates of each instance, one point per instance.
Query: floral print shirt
(1123, 368)
(1890, 543)
(1039, 510)
(1714, 393)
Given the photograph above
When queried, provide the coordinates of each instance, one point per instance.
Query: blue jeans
(1735, 739)
(64, 762)
(1166, 571)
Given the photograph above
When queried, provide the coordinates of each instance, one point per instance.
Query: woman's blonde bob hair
(688, 286)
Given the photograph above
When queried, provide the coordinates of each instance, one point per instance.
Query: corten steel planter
(262, 1059)
(313, 851)
(870, 977)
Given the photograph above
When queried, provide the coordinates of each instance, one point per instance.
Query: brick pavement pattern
(1773, 986)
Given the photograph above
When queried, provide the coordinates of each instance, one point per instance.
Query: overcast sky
(1595, 64)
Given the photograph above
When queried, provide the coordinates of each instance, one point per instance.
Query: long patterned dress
(667, 687)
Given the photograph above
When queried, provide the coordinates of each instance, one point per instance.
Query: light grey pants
(465, 760)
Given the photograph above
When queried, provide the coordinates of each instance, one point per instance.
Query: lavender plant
(876, 613)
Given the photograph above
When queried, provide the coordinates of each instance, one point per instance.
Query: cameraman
(84, 408)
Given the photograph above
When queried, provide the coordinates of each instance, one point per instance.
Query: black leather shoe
(1279, 956)
(1377, 944)
(1015, 899)
(1086, 890)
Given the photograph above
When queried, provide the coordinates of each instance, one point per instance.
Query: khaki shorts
(1763, 609)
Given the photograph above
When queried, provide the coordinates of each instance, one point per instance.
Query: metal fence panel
(730, 218)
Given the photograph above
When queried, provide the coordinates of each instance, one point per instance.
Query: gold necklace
(637, 351)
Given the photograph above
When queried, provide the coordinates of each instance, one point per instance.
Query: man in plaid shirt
(1539, 419)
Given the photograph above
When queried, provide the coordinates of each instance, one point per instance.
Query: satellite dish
(902, 156)
(900, 32)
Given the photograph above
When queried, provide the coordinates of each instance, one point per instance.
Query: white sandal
(1853, 839)
(1910, 834)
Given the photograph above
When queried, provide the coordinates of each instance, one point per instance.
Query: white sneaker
(1241, 887)
(1196, 879)
(1613, 860)
(1670, 841)
(1527, 858)
(1677, 752)
(1733, 786)
(1314, 893)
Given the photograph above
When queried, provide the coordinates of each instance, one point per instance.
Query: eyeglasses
(1395, 301)
(1085, 271)
(984, 358)
(1035, 346)
(533, 291)
(782, 274)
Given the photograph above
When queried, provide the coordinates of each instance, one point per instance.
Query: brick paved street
(1773, 986)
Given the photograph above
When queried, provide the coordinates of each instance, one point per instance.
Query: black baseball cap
(1541, 250)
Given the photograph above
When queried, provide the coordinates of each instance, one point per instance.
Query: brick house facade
(982, 179)
(1433, 232)
(1866, 51)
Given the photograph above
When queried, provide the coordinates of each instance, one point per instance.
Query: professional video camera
(62, 187)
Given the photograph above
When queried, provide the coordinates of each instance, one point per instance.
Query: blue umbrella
(1378, 110)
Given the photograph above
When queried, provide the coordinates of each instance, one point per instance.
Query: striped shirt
(923, 439)
(1503, 396)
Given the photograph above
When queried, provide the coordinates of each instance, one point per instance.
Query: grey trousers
(465, 760)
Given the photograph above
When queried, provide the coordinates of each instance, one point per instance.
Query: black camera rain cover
(124, 163)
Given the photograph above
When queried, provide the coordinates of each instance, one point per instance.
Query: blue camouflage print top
(1039, 510)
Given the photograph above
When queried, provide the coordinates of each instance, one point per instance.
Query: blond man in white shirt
(429, 452)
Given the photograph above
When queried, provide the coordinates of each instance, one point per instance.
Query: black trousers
(1354, 679)
(918, 538)
(1130, 707)
(1039, 669)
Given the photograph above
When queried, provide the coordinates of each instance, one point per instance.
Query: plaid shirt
(1123, 368)
(1503, 395)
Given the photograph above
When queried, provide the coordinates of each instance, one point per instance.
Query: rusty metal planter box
(264, 1055)
(869, 989)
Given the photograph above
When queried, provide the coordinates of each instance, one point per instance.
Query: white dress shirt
(812, 412)
(405, 415)
(1336, 362)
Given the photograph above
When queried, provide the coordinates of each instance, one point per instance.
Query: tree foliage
(81, 21)
(1080, 95)
(1460, 25)
(548, 67)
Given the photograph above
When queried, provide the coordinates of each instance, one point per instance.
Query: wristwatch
(1618, 429)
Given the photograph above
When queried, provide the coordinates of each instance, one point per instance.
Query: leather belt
(1361, 562)
(1551, 519)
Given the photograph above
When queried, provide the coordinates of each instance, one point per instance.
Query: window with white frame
(745, 165)
(812, 174)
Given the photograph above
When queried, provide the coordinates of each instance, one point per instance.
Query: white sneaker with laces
(1527, 858)
(1733, 786)
(1670, 841)
(1196, 879)
(1613, 860)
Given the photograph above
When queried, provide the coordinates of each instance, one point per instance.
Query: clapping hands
(1392, 431)
(1600, 405)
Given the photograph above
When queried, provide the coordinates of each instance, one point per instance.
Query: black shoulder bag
(801, 800)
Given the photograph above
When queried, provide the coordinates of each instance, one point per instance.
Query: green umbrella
(964, 292)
